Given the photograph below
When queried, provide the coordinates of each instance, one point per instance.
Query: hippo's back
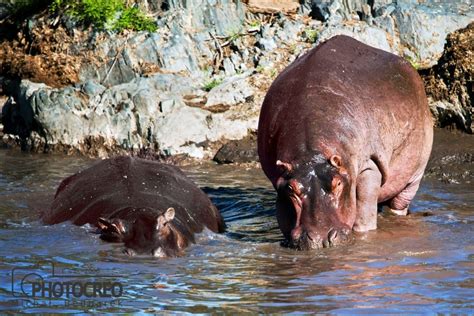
(113, 186)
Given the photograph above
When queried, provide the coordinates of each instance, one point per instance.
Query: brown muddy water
(415, 264)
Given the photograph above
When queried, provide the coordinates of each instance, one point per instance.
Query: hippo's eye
(336, 184)
(294, 187)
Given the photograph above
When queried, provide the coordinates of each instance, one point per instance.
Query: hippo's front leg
(368, 186)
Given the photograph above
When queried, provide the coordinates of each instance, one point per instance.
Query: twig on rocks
(115, 60)
(219, 54)
(230, 38)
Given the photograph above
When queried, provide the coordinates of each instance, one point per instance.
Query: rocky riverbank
(194, 87)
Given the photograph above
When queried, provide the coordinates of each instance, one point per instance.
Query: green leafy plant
(106, 14)
(56, 5)
(100, 12)
(233, 35)
(292, 49)
(260, 69)
(413, 62)
(311, 35)
(134, 19)
(208, 86)
(255, 23)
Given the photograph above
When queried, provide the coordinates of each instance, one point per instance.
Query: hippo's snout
(303, 240)
(157, 253)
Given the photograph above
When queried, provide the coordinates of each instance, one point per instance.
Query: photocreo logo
(45, 285)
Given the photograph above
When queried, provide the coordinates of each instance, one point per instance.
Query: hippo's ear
(169, 214)
(165, 218)
(336, 161)
(111, 230)
(114, 225)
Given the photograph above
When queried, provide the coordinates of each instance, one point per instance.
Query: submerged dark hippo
(342, 129)
(152, 208)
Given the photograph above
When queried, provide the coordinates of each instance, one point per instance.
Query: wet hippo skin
(152, 208)
(343, 129)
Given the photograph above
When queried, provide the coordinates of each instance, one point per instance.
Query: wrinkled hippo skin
(152, 208)
(343, 129)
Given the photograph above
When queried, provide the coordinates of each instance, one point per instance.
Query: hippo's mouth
(158, 252)
(335, 237)
(297, 201)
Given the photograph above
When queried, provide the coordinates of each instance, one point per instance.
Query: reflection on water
(414, 264)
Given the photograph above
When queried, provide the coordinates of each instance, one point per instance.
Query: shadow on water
(248, 212)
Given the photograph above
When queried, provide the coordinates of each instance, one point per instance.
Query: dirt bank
(452, 158)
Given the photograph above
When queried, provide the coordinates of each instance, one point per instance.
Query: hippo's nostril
(129, 252)
(159, 253)
(332, 235)
(296, 233)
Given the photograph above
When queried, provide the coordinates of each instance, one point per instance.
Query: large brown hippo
(343, 129)
(152, 208)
